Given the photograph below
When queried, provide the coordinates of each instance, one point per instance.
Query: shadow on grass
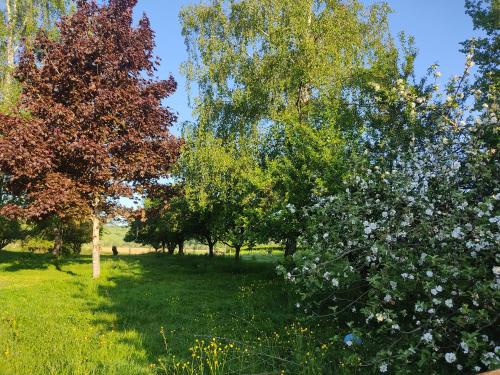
(190, 296)
(13, 261)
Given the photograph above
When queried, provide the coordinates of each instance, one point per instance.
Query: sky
(438, 27)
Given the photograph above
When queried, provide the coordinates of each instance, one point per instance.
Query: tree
(164, 222)
(290, 71)
(95, 128)
(223, 189)
(20, 20)
(485, 16)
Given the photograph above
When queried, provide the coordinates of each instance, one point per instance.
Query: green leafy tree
(289, 71)
(222, 186)
(20, 20)
(485, 16)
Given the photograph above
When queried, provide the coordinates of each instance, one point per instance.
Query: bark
(171, 248)
(237, 250)
(181, 247)
(211, 245)
(96, 259)
(10, 45)
(290, 246)
(163, 246)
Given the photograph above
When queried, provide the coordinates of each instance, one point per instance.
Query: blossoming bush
(407, 256)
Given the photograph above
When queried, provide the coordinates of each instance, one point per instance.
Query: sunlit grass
(60, 321)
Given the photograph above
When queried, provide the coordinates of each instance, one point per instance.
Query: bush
(407, 256)
(10, 231)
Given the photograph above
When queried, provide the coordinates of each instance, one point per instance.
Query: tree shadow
(188, 296)
(18, 261)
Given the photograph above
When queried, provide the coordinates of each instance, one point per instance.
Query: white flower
(383, 367)
(335, 282)
(429, 273)
(380, 317)
(291, 208)
(434, 291)
(457, 233)
(395, 327)
(393, 284)
(456, 165)
(449, 303)
(388, 298)
(427, 337)
(464, 347)
(496, 270)
(348, 342)
(429, 212)
(327, 275)
(385, 214)
(297, 305)
(477, 368)
(450, 357)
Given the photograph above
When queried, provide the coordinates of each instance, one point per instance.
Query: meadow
(149, 314)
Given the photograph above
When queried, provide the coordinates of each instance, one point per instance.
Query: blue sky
(437, 25)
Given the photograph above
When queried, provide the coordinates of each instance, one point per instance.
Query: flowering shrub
(407, 256)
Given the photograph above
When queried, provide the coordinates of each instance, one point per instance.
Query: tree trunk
(237, 250)
(211, 246)
(171, 248)
(56, 250)
(290, 246)
(181, 247)
(163, 247)
(10, 47)
(96, 260)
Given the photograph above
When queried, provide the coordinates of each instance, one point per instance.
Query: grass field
(57, 320)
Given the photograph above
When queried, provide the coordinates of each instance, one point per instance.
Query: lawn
(57, 320)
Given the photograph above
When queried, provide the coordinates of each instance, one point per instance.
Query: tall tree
(485, 16)
(19, 21)
(96, 129)
(290, 70)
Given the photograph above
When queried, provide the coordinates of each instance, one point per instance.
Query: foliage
(406, 256)
(10, 231)
(20, 20)
(485, 17)
(289, 73)
(96, 129)
(223, 187)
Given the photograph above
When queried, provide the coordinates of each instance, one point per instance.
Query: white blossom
(450, 357)
(427, 337)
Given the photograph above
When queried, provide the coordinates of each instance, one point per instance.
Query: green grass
(57, 320)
